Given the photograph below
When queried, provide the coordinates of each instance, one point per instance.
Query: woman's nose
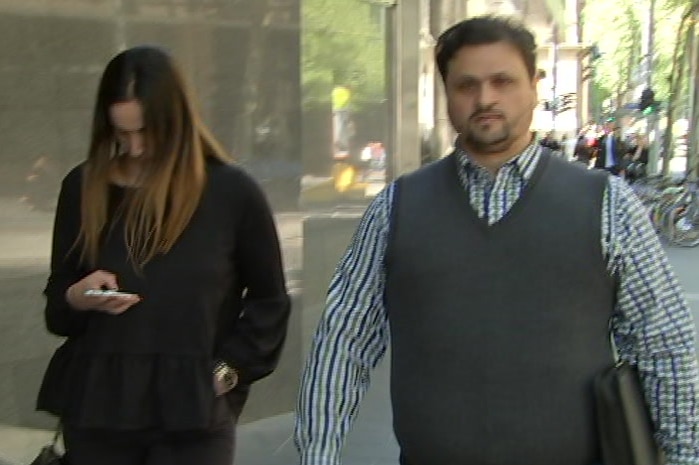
(135, 145)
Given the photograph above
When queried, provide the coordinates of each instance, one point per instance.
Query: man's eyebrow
(470, 78)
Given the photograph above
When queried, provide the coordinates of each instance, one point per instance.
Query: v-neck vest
(497, 331)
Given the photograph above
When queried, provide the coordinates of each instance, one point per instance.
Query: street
(686, 265)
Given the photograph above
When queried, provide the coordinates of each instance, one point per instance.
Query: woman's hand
(114, 305)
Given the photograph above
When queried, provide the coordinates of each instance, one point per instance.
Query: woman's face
(127, 119)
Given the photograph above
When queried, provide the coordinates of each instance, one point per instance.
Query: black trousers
(105, 447)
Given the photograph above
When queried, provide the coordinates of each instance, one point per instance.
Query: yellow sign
(341, 97)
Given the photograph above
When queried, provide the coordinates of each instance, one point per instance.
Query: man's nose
(487, 95)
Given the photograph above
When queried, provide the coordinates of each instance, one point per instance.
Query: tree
(618, 71)
(676, 78)
(616, 25)
(342, 40)
(693, 129)
(615, 72)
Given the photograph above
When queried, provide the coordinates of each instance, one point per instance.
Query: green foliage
(342, 43)
(597, 97)
(616, 25)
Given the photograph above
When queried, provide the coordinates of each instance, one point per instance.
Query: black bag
(624, 427)
(49, 454)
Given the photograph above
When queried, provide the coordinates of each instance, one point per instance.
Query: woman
(158, 211)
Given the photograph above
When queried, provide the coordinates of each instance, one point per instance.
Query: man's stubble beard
(489, 143)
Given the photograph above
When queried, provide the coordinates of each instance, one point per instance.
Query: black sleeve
(61, 319)
(254, 344)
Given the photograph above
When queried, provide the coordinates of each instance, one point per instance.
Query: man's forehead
(482, 61)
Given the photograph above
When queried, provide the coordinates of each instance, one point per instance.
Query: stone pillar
(404, 65)
(444, 13)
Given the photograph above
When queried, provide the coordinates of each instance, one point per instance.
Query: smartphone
(108, 293)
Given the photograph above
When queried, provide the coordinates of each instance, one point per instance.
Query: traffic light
(652, 108)
(647, 100)
(567, 102)
(560, 104)
(592, 51)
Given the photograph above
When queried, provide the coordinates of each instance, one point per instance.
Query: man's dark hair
(484, 30)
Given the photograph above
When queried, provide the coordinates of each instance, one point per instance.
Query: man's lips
(487, 117)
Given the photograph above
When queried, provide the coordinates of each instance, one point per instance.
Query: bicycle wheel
(657, 212)
(685, 228)
(668, 197)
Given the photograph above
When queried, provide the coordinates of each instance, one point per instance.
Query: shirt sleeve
(653, 326)
(351, 339)
(255, 343)
(61, 318)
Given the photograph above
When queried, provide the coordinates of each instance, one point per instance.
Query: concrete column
(444, 13)
(460, 10)
(404, 64)
(572, 17)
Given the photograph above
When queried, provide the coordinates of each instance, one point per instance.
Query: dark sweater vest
(497, 331)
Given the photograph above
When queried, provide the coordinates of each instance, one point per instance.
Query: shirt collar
(524, 163)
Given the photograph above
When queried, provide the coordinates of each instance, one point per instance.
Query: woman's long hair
(176, 143)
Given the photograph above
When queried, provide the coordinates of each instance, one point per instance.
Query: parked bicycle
(673, 207)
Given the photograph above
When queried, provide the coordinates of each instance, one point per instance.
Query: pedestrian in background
(159, 374)
(494, 274)
(583, 151)
(611, 149)
(549, 141)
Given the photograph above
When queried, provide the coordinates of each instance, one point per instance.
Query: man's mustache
(488, 112)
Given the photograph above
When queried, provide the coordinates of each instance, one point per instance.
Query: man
(495, 271)
(611, 150)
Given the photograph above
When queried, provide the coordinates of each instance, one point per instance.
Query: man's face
(490, 97)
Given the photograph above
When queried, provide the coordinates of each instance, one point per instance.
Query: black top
(497, 331)
(219, 294)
